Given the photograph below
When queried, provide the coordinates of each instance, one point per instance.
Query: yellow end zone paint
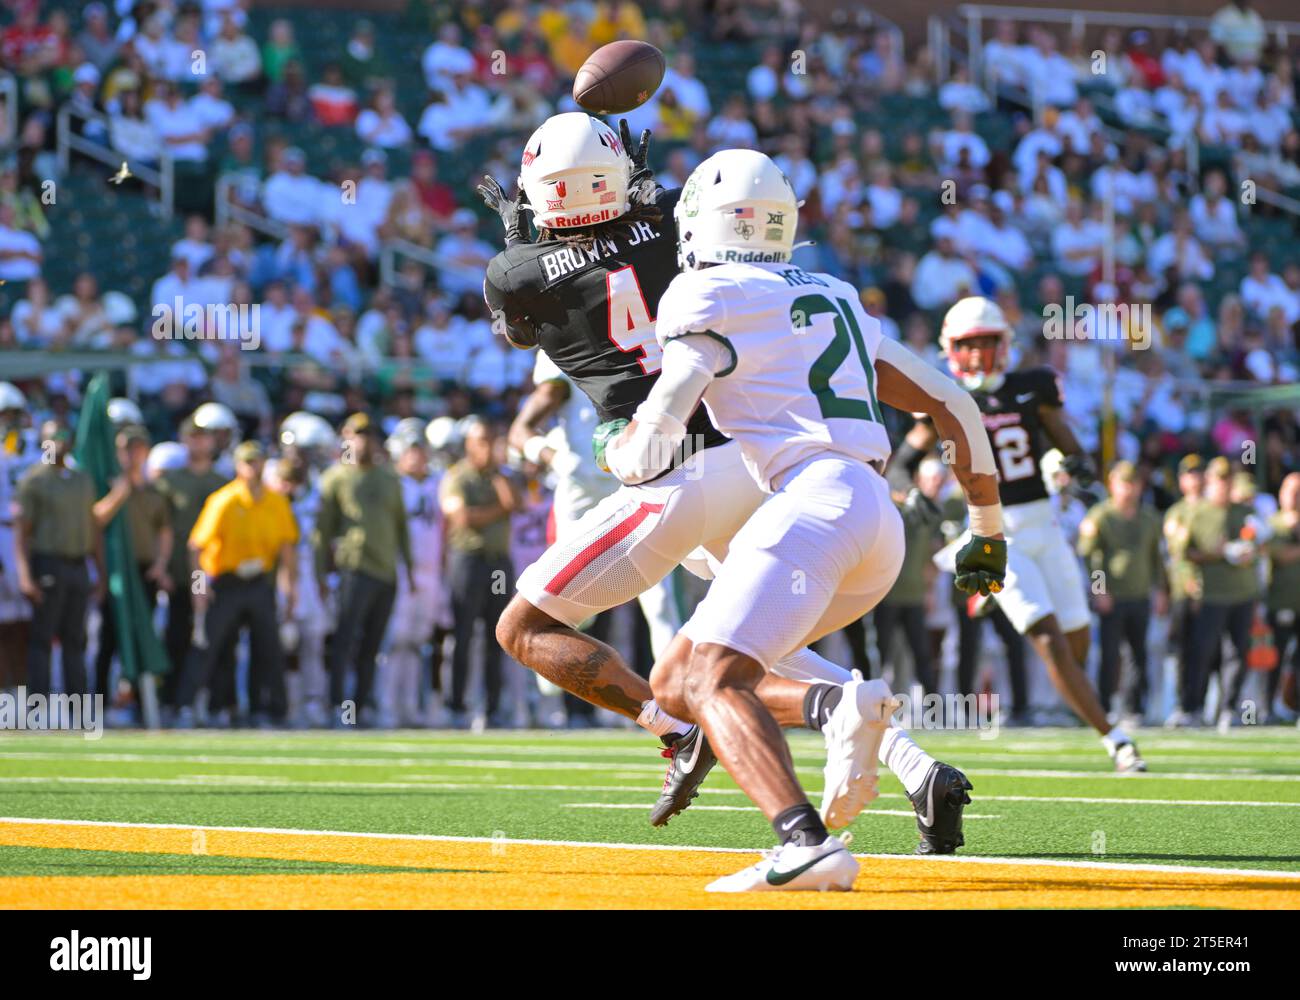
(488, 874)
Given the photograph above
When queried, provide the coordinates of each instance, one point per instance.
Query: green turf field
(1214, 801)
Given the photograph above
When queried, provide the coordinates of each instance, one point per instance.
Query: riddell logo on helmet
(584, 219)
(754, 257)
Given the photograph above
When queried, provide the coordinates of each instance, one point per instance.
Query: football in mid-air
(618, 77)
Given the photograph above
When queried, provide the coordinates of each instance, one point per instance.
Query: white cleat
(824, 867)
(853, 734)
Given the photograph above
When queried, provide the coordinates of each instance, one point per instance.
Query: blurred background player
(220, 421)
(1120, 540)
(420, 614)
(1284, 589)
(361, 533)
(18, 452)
(1044, 596)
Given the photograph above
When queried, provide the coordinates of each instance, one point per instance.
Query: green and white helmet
(737, 206)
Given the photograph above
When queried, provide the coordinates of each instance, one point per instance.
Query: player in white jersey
(423, 614)
(18, 451)
(791, 367)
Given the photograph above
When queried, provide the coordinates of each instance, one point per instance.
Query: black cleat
(690, 759)
(939, 803)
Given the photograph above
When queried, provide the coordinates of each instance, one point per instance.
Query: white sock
(805, 665)
(655, 720)
(909, 762)
(1114, 739)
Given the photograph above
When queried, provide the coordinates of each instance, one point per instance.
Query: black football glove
(1080, 469)
(511, 212)
(982, 566)
(925, 510)
(641, 185)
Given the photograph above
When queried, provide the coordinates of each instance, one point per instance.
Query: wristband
(986, 521)
(534, 447)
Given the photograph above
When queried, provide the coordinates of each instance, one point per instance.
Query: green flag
(138, 646)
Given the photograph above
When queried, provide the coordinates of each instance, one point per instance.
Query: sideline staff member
(243, 532)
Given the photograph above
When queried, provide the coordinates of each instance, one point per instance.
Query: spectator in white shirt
(183, 132)
(1050, 75)
(1002, 59)
(360, 223)
(1077, 244)
(1179, 56)
(173, 286)
(1043, 138)
(1056, 186)
(690, 92)
(1270, 119)
(764, 81)
(1134, 104)
(1243, 82)
(20, 251)
(959, 94)
(962, 136)
(382, 124)
(1181, 251)
(1239, 30)
(1078, 125)
(462, 109)
(446, 59)
(440, 341)
(1262, 291)
(38, 322)
(1223, 124)
(794, 163)
(885, 198)
(234, 56)
(1203, 73)
(464, 255)
(290, 194)
(209, 107)
(1214, 217)
(195, 246)
(732, 129)
(129, 133)
(942, 275)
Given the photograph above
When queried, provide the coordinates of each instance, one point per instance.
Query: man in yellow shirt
(244, 533)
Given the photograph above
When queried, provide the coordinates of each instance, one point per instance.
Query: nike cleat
(853, 734)
(690, 759)
(1128, 760)
(824, 867)
(939, 803)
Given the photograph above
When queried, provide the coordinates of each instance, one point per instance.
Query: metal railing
(9, 91)
(163, 178)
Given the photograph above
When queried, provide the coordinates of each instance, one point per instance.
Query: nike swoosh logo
(687, 764)
(775, 877)
(786, 827)
(927, 819)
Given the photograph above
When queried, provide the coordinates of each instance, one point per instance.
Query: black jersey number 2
(805, 313)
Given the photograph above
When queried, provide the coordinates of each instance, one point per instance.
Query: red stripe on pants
(600, 546)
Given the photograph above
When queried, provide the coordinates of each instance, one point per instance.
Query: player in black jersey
(1044, 595)
(587, 293)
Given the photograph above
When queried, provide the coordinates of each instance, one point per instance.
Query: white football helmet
(166, 455)
(11, 397)
(575, 172)
(216, 417)
(123, 412)
(975, 316)
(736, 206)
(408, 433)
(311, 435)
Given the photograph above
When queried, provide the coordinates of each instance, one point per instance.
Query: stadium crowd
(1023, 181)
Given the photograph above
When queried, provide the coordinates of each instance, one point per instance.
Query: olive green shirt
(362, 515)
(475, 487)
(146, 516)
(1182, 572)
(185, 491)
(1125, 549)
(1284, 582)
(1209, 527)
(909, 588)
(57, 503)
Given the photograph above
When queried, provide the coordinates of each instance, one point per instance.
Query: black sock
(819, 703)
(800, 825)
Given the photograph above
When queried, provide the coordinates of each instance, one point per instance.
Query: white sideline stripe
(584, 765)
(256, 781)
(866, 812)
(445, 838)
